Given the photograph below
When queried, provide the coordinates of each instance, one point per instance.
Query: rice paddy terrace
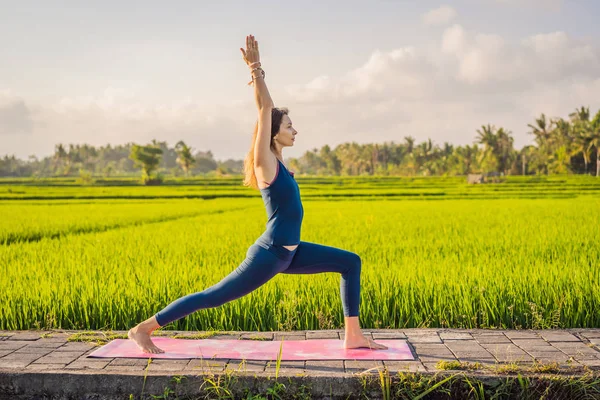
(437, 252)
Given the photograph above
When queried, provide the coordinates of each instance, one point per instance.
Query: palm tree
(60, 154)
(487, 137)
(582, 114)
(409, 143)
(581, 144)
(595, 140)
(582, 131)
(504, 149)
(542, 129)
(468, 156)
(527, 154)
(185, 159)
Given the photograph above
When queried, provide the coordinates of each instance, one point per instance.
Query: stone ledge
(119, 384)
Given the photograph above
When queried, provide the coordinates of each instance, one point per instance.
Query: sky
(100, 72)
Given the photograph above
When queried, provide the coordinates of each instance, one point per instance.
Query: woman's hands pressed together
(251, 54)
(251, 57)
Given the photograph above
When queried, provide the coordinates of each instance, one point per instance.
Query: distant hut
(475, 178)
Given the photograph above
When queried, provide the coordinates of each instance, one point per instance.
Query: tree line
(562, 146)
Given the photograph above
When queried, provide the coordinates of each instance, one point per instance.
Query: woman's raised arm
(264, 103)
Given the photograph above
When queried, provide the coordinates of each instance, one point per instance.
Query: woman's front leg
(313, 258)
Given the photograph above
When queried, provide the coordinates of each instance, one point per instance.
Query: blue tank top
(284, 209)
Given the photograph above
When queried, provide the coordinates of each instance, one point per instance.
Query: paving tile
(5, 352)
(52, 359)
(56, 335)
(431, 366)
(491, 339)
(462, 346)
(425, 358)
(6, 334)
(530, 342)
(590, 363)
(538, 349)
(388, 335)
(521, 334)
(25, 335)
(128, 362)
(14, 364)
(556, 336)
(322, 335)
(34, 350)
(464, 353)
(433, 352)
(368, 335)
(421, 331)
(206, 365)
(513, 358)
(486, 360)
(354, 366)
(125, 368)
(288, 336)
(40, 345)
(324, 366)
(13, 344)
(591, 333)
(220, 336)
(77, 346)
(455, 336)
(66, 354)
(257, 336)
(285, 366)
(246, 365)
(394, 366)
(578, 350)
(19, 356)
(551, 356)
(487, 332)
(502, 347)
(168, 365)
(88, 364)
(423, 338)
(35, 366)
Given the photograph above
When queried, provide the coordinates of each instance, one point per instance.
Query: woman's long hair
(276, 117)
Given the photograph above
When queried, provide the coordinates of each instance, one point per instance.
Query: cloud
(118, 117)
(446, 93)
(552, 5)
(439, 16)
(15, 116)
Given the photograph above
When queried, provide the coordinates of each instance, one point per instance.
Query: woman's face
(287, 133)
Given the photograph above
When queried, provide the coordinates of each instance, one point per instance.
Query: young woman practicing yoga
(278, 249)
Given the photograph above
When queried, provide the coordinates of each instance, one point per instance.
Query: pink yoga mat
(315, 349)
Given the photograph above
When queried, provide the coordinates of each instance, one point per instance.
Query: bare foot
(362, 341)
(142, 339)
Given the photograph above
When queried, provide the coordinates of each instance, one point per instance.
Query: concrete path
(572, 351)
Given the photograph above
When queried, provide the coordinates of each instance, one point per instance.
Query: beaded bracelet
(255, 77)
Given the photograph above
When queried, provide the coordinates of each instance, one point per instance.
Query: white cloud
(439, 16)
(444, 93)
(119, 117)
(15, 115)
(552, 5)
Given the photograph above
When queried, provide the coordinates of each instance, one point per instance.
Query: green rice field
(436, 252)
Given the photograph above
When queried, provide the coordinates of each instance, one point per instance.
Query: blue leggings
(263, 262)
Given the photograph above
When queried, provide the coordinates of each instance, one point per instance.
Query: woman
(278, 249)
